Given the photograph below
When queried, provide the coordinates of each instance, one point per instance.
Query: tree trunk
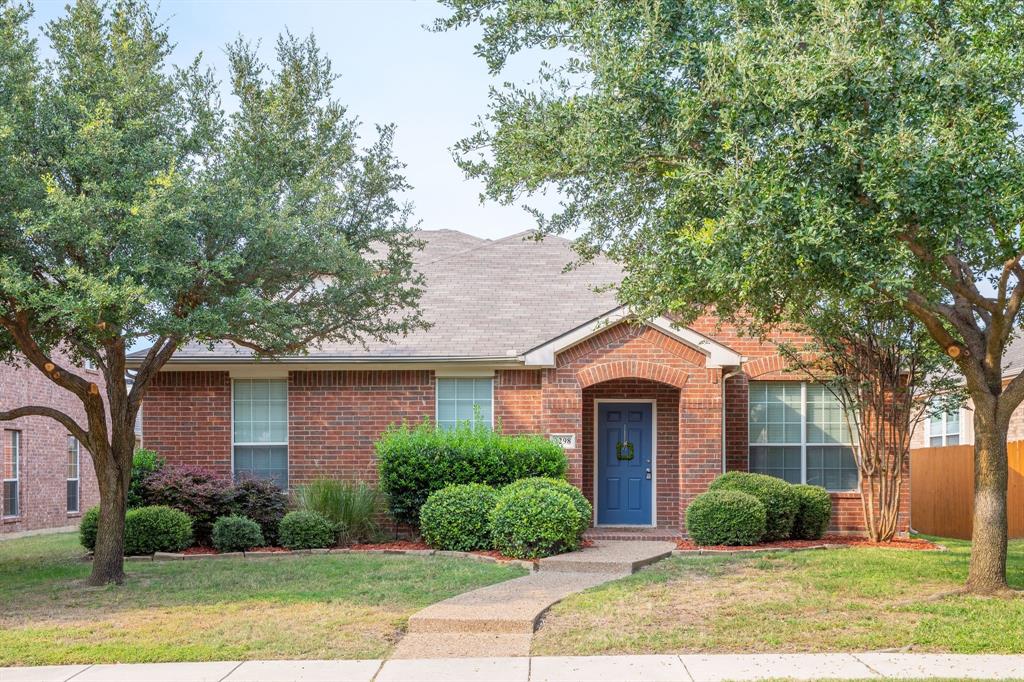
(113, 479)
(987, 574)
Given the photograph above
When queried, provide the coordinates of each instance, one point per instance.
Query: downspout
(726, 377)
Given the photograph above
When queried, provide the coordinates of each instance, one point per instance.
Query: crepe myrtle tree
(754, 157)
(133, 208)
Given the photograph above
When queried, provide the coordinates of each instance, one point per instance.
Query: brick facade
(44, 447)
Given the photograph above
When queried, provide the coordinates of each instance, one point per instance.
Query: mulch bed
(845, 540)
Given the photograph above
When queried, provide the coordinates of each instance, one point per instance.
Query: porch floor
(662, 533)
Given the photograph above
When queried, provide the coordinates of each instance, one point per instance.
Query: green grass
(320, 606)
(854, 599)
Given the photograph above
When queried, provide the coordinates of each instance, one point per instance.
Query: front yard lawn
(320, 606)
(853, 599)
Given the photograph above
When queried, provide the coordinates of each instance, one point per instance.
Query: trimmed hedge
(582, 504)
(236, 534)
(156, 529)
(305, 530)
(726, 517)
(778, 497)
(88, 528)
(414, 462)
(458, 517)
(814, 513)
(531, 522)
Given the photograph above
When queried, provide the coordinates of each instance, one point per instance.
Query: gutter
(512, 361)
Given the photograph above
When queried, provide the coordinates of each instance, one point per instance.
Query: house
(647, 414)
(48, 479)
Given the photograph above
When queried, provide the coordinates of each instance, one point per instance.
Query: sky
(391, 70)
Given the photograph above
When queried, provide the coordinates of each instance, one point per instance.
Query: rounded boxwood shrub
(458, 517)
(582, 504)
(778, 497)
(534, 521)
(236, 534)
(305, 530)
(814, 514)
(259, 500)
(725, 517)
(156, 529)
(88, 528)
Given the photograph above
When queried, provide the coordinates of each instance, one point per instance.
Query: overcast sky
(391, 70)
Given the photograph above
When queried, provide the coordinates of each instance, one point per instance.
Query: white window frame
(803, 444)
(78, 475)
(437, 399)
(15, 434)
(945, 434)
(287, 429)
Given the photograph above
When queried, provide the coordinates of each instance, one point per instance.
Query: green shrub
(458, 517)
(259, 500)
(156, 529)
(236, 534)
(352, 507)
(778, 497)
(305, 530)
(414, 462)
(201, 493)
(814, 513)
(726, 517)
(583, 507)
(534, 521)
(145, 463)
(88, 528)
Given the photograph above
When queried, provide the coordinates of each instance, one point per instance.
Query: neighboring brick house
(648, 414)
(48, 479)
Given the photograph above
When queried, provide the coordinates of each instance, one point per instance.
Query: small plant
(814, 514)
(778, 497)
(535, 521)
(145, 463)
(259, 500)
(726, 517)
(352, 507)
(88, 528)
(198, 492)
(156, 529)
(458, 517)
(236, 534)
(305, 530)
(583, 506)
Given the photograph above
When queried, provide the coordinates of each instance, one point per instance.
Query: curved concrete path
(499, 620)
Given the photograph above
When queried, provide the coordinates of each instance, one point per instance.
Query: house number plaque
(566, 440)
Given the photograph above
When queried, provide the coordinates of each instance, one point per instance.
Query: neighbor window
(464, 400)
(799, 433)
(12, 469)
(260, 429)
(944, 429)
(73, 475)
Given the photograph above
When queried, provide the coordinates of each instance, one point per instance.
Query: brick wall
(187, 419)
(517, 400)
(44, 442)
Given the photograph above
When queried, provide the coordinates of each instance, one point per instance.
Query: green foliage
(457, 518)
(305, 530)
(144, 464)
(89, 527)
(201, 493)
(261, 501)
(352, 507)
(529, 522)
(726, 517)
(778, 497)
(236, 534)
(156, 529)
(582, 504)
(414, 462)
(814, 513)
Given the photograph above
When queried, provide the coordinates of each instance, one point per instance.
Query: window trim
(78, 479)
(16, 435)
(437, 400)
(945, 434)
(287, 428)
(803, 444)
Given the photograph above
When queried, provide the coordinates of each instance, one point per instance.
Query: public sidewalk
(686, 668)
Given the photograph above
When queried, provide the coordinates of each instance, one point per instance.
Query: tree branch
(40, 411)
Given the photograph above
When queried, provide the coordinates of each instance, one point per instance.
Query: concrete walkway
(499, 620)
(686, 668)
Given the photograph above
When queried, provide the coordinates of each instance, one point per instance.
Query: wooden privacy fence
(942, 490)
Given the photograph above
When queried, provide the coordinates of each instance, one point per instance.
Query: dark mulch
(847, 540)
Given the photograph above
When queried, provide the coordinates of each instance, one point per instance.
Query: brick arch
(775, 367)
(631, 369)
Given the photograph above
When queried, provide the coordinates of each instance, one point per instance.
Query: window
(260, 430)
(73, 476)
(12, 470)
(944, 429)
(799, 433)
(89, 364)
(464, 400)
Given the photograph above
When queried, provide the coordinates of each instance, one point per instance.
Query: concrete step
(462, 645)
(609, 557)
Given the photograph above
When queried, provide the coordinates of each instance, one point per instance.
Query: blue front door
(624, 464)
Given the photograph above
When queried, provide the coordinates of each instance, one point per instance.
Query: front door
(625, 470)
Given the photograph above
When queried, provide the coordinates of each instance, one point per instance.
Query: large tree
(758, 156)
(133, 208)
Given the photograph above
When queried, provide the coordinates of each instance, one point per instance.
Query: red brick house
(648, 414)
(48, 479)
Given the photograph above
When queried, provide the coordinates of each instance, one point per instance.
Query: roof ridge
(491, 242)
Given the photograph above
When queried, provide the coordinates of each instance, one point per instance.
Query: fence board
(942, 490)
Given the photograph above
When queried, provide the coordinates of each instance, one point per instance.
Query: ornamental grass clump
(352, 507)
